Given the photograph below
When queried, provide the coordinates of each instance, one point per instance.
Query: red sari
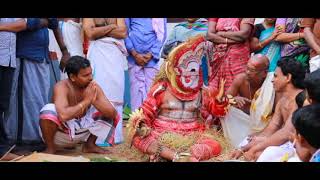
(229, 60)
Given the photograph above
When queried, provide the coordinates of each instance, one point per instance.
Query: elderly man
(246, 87)
(80, 111)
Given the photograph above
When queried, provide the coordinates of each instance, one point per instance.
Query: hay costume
(175, 111)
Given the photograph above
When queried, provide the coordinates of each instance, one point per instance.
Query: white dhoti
(235, 126)
(108, 56)
(76, 131)
(72, 37)
(262, 104)
(314, 63)
(278, 153)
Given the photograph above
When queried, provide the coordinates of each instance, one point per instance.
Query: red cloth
(229, 60)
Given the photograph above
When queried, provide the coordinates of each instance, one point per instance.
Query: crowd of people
(56, 98)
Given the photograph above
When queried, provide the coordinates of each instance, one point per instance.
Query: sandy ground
(123, 152)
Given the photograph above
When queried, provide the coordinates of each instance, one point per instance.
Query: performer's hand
(241, 101)
(221, 90)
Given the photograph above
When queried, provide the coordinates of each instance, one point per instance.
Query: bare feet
(94, 149)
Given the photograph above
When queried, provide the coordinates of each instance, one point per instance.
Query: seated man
(236, 124)
(307, 125)
(80, 111)
(288, 80)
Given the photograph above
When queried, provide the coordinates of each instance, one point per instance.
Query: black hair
(306, 121)
(300, 98)
(312, 85)
(75, 63)
(289, 65)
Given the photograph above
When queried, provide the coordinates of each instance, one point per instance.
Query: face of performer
(188, 73)
(83, 78)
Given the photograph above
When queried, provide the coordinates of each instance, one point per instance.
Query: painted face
(186, 62)
(188, 73)
(279, 80)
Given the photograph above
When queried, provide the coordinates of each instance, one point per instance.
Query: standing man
(7, 66)
(145, 39)
(31, 79)
(107, 53)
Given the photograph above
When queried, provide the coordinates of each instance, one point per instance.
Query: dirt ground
(123, 152)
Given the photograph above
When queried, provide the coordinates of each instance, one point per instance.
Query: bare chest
(174, 108)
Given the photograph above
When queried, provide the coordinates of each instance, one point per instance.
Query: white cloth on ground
(235, 126)
(277, 153)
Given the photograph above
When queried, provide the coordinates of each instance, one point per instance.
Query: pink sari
(229, 60)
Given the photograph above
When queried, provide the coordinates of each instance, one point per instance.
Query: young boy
(306, 121)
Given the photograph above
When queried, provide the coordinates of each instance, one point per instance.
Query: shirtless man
(288, 80)
(246, 84)
(73, 116)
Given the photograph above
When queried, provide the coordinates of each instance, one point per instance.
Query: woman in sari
(263, 42)
(292, 40)
(231, 48)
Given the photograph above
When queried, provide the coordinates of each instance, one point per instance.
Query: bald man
(236, 124)
(246, 84)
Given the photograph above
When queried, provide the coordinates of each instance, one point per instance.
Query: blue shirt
(7, 45)
(143, 39)
(33, 43)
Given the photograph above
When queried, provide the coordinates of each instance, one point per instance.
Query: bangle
(226, 40)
